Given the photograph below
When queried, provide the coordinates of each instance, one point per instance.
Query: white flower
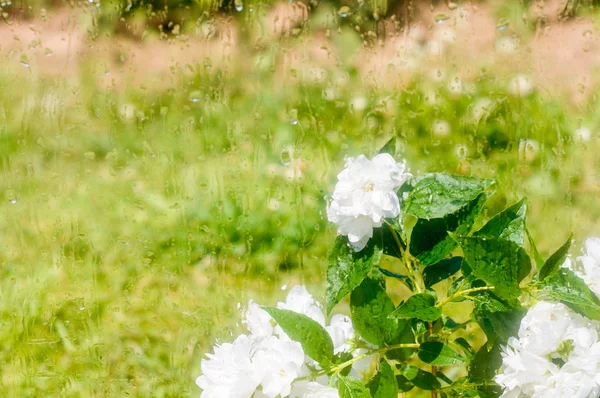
(588, 265)
(281, 362)
(311, 389)
(557, 354)
(257, 320)
(301, 301)
(230, 371)
(364, 196)
(341, 331)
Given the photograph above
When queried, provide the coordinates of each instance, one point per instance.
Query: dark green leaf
(555, 260)
(403, 278)
(348, 268)
(465, 345)
(441, 270)
(566, 287)
(370, 307)
(500, 263)
(421, 306)
(418, 377)
(313, 337)
(389, 147)
(430, 241)
(485, 363)
(439, 354)
(383, 383)
(389, 237)
(349, 387)
(497, 318)
(509, 224)
(436, 195)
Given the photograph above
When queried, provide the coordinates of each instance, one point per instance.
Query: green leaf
(389, 147)
(539, 261)
(349, 387)
(418, 377)
(499, 263)
(430, 241)
(439, 354)
(348, 268)
(497, 318)
(383, 383)
(403, 278)
(556, 260)
(565, 286)
(436, 195)
(509, 224)
(442, 270)
(370, 307)
(386, 239)
(485, 363)
(313, 337)
(421, 306)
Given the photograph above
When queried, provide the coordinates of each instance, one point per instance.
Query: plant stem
(433, 367)
(405, 258)
(338, 368)
(462, 293)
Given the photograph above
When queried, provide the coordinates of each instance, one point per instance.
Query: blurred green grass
(134, 221)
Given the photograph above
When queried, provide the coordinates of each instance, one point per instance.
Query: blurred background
(162, 161)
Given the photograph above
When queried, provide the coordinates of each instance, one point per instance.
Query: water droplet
(207, 63)
(11, 196)
(195, 96)
(48, 52)
(344, 11)
(293, 117)
(81, 308)
(502, 24)
(285, 157)
(284, 287)
(239, 6)
(164, 110)
(24, 60)
(441, 17)
(451, 5)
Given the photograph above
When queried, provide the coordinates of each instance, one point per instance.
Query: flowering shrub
(533, 328)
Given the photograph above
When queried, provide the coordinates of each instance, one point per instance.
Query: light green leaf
(348, 268)
(499, 263)
(556, 260)
(421, 306)
(370, 307)
(313, 337)
(509, 224)
(430, 241)
(437, 195)
(383, 383)
(350, 387)
(439, 354)
(566, 287)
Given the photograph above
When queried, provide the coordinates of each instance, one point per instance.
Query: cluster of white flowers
(557, 352)
(266, 362)
(365, 195)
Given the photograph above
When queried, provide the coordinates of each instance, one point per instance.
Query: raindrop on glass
(285, 157)
(195, 96)
(441, 17)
